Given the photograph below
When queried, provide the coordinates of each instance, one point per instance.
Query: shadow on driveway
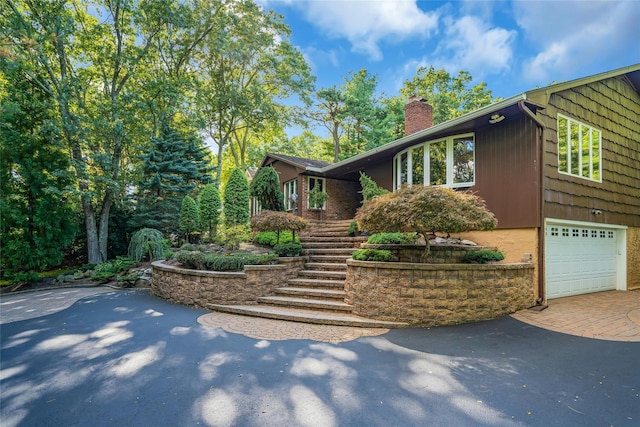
(130, 359)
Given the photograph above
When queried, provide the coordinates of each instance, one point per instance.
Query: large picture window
(449, 162)
(290, 194)
(579, 149)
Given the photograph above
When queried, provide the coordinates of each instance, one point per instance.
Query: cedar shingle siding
(612, 106)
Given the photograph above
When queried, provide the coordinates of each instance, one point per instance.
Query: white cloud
(570, 35)
(366, 23)
(474, 45)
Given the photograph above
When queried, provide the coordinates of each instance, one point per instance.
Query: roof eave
(440, 127)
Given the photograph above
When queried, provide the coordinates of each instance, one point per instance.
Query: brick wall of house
(418, 115)
(344, 199)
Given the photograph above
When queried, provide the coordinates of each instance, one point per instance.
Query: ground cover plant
(222, 262)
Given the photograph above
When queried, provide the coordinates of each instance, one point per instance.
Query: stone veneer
(437, 294)
(200, 288)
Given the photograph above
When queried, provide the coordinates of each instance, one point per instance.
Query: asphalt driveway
(126, 358)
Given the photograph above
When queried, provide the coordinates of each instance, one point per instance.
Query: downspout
(541, 229)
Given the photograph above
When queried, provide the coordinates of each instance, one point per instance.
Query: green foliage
(110, 269)
(265, 188)
(369, 188)
(271, 238)
(381, 255)
(233, 236)
(317, 198)
(236, 199)
(38, 208)
(209, 204)
(278, 222)
(449, 95)
(189, 221)
(425, 210)
(146, 241)
(172, 167)
(213, 262)
(24, 278)
(483, 256)
(353, 228)
(288, 249)
(393, 239)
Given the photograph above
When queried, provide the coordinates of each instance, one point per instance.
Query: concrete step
(306, 316)
(322, 274)
(327, 266)
(330, 239)
(328, 245)
(306, 303)
(316, 283)
(312, 293)
(312, 252)
(333, 259)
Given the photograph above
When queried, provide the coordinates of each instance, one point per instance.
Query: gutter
(541, 229)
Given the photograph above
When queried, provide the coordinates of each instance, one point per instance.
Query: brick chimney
(418, 115)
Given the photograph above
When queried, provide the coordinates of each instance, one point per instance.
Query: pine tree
(173, 166)
(236, 199)
(189, 222)
(265, 187)
(209, 204)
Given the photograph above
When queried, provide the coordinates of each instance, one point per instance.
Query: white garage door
(580, 260)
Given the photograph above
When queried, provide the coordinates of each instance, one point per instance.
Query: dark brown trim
(541, 225)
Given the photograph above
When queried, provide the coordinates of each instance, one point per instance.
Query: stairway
(317, 294)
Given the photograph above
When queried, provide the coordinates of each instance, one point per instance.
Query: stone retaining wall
(199, 288)
(437, 294)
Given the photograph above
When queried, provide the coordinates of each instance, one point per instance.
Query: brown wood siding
(506, 172)
(613, 107)
(381, 173)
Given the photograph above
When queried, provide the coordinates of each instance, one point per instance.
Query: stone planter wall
(438, 254)
(199, 288)
(437, 294)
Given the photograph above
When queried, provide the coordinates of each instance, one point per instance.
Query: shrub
(483, 256)
(288, 249)
(209, 204)
(189, 221)
(369, 188)
(381, 255)
(214, 262)
(353, 228)
(393, 239)
(265, 187)
(424, 210)
(234, 235)
(278, 222)
(146, 241)
(236, 199)
(270, 238)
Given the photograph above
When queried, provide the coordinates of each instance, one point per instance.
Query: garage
(580, 259)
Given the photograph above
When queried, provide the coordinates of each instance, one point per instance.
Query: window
(290, 194)
(319, 185)
(579, 149)
(449, 162)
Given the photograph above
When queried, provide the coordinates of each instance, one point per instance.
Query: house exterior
(559, 167)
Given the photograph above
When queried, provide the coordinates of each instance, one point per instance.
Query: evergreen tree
(173, 166)
(189, 222)
(209, 205)
(236, 199)
(39, 218)
(265, 187)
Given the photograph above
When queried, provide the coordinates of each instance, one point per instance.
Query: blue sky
(513, 46)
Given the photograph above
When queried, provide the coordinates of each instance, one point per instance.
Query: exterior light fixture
(496, 118)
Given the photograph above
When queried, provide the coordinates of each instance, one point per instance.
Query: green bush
(270, 238)
(234, 235)
(372, 255)
(369, 188)
(147, 241)
(353, 228)
(214, 262)
(483, 256)
(393, 239)
(109, 269)
(288, 249)
(24, 277)
(236, 199)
